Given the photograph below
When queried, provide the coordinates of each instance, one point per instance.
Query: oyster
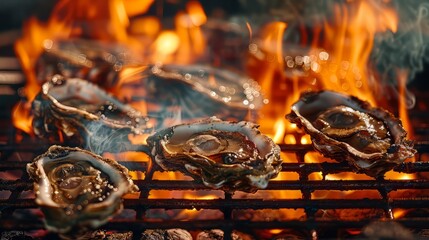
(78, 190)
(370, 139)
(220, 93)
(96, 61)
(83, 111)
(224, 155)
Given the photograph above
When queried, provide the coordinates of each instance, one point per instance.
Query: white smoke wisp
(408, 48)
(100, 139)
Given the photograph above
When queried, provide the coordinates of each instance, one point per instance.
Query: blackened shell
(223, 155)
(344, 127)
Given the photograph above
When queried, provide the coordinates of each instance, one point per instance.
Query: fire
(349, 40)
(280, 126)
(108, 21)
(271, 36)
(66, 22)
(338, 60)
(403, 113)
(22, 118)
(136, 7)
(166, 44)
(188, 28)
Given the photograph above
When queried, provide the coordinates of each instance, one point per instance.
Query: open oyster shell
(221, 93)
(224, 155)
(78, 190)
(83, 111)
(343, 127)
(96, 61)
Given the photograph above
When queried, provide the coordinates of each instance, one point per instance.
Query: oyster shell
(98, 62)
(78, 190)
(344, 127)
(83, 111)
(224, 155)
(220, 93)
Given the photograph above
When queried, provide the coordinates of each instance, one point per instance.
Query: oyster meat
(221, 93)
(81, 110)
(224, 155)
(78, 190)
(344, 127)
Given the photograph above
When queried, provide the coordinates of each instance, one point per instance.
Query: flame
(30, 47)
(279, 135)
(130, 156)
(192, 41)
(136, 7)
(338, 60)
(276, 231)
(349, 41)
(398, 213)
(166, 44)
(272, 39)
(146, 26)
(22, 118)
(402, 106)
(109, 21)
(104, 20)
(305, 139)
(196, 13)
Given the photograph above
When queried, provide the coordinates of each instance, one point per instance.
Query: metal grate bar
(229, 204)
(141, 225)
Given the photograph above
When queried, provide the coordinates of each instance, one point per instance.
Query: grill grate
(14, 157)
(18, 211)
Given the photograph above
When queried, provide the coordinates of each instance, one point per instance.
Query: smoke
(100, 139)
(407, 49)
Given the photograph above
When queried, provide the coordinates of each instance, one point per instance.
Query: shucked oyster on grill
(218, 92)
(78, 190)
(343, 127)
(224, 155)
(83, 111)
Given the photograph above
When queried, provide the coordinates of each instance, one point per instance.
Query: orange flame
(188, 28)
(346, 40)
(22, 118)
(272, 39)
(109, 21)
(349, 41)
(104, 20)
(166, 44)
(403, 113)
